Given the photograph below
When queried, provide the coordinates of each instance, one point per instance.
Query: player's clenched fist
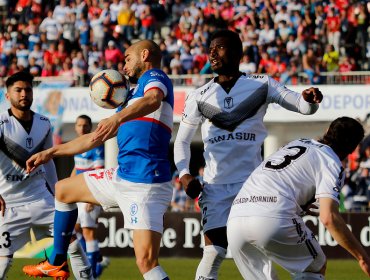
(312, 95)
(191, 185)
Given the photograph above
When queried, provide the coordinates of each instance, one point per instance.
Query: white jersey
(232, 124)
(290, 179)
(16, 146)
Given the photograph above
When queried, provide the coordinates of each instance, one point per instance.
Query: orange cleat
(45, 269)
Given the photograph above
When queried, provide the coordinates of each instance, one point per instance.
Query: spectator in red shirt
(147, 23)
(333, 28)
(50, 53)
(346, 66)
(112, 53)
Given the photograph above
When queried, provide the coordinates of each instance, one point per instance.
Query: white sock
(5, 264)
(156, 273)
(92, 246)
(79, 262)
(211, 262)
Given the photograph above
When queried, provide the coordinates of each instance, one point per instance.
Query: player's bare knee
(60, 192)
(146, 263)
(5, 264)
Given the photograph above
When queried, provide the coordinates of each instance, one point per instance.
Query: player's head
(225, 52)
(83, 125)
(343, 136)
(140, 57)
(19, 90)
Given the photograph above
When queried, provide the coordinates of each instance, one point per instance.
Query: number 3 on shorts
(7, 242)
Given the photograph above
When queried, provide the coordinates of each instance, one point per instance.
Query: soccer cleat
(45, 269)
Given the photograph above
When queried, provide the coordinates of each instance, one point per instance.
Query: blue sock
(93, 259)
(92, 252)
(64, 223)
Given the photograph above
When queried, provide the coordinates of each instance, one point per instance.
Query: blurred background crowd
(76, 39)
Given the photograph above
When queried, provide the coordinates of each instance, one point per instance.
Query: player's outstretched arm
(331, 219)
(151, 102)
(76, 146)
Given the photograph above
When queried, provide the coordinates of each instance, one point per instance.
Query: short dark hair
(85, 117)
(343, 135)
(233, 38)
(19, 76)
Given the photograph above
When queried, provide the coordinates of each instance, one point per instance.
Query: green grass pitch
(184, 269)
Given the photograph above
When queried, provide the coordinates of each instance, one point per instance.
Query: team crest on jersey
(133, 209)
(228, 102)
(29, 142)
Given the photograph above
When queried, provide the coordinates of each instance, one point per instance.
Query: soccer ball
(109, 89)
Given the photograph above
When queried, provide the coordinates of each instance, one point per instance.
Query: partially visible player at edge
(231, 108)
(87, 222)
(27, 200)
(141, 184)
(265, 220)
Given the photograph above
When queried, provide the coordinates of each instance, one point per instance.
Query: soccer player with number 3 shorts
(27, 200)
(265, 221)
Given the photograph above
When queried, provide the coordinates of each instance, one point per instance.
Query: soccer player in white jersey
(87, 222)
(265, 219)
(141, 184)
(26, 200)
(230, 108)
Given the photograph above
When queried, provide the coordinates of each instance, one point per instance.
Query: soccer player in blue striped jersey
(141, 184)
(88, 213)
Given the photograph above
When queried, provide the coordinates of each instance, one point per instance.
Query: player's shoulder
(40, 118)
(155, 74)
(203, 89)
(261, 78)
(4, 116)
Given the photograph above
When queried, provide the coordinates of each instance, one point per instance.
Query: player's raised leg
(64, 221)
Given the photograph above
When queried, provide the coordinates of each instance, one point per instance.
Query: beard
(21, 106)
(138, 71)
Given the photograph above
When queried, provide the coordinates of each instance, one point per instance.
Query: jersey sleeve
(48, 139)
(155, 80)
(288, 99)
(329, 181)
(98, 157)
(191, 114)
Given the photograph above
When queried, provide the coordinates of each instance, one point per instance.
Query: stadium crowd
(76, 39)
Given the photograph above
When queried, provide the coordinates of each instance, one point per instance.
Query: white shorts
(142, 205)
(16, 224)
(88, 219)
(215, 202)
(256, 241)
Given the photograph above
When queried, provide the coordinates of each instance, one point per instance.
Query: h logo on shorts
(133, 220)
